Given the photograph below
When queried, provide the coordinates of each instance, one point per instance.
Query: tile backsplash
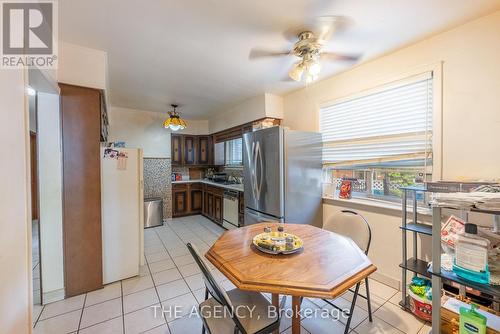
(157, 182)
(236, 172)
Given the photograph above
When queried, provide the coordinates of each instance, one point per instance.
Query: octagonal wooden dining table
(327, 266)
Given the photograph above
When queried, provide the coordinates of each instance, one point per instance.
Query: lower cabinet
(241, 209)
(218, 209)
(196, 198)
(180, 200)
(213, 203)
(187, 199)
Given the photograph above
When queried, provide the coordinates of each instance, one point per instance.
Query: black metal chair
(233, 311)
(353, 225)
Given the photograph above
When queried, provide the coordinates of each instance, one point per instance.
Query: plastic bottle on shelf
(471, 256)
(471, 321)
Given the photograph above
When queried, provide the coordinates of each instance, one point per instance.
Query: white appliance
(230, 210)
(122, 208)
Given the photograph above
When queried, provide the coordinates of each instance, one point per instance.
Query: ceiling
(195, 52)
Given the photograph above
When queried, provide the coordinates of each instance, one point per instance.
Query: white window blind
(394, 123)
(234, 152)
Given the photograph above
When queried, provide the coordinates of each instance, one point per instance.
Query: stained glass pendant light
(174, 122)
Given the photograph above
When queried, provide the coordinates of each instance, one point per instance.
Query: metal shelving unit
(438, 275)
(419, 267)
(414, 265)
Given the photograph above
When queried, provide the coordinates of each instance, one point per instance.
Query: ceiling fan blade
(325, 26)
(259, 53)
(340, 56)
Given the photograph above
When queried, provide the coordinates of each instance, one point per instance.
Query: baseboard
(393, 283)
(53, 296)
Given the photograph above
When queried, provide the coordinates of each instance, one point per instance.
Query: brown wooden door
(205, 203)
(81, 130)
(196, 200)
(34, 176)
(189, 150)
(218, 209)
(180, 203)
(210, 205)
(176, 153)
(203, 150)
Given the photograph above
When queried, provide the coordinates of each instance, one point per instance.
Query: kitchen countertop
(237, 187)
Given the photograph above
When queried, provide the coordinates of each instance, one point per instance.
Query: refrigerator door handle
(252, 169)
(256, 158)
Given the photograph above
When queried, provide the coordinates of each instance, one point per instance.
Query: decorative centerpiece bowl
(278, 243)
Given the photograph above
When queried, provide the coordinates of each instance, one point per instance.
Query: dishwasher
(230, 210)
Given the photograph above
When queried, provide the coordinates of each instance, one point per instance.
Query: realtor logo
(29, 34)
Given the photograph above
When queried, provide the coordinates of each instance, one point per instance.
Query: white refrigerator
(122, 198)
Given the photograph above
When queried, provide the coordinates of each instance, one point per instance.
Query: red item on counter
(345, 189)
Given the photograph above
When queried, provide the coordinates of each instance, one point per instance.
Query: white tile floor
(171, 278)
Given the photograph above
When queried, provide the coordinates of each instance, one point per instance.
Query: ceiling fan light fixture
(174, 122)
(310, 78)
(314, 68)
(296, 72)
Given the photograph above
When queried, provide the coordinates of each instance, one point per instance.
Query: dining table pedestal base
(296, 314)
(276, 303)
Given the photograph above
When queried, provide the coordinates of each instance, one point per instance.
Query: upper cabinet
(191, 150)
(204, 150)
(210, 150)
(176, 150)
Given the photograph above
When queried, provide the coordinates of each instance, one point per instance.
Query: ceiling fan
(309, 48)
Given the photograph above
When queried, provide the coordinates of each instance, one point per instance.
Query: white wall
(261, 106)
(144, 129)
(50, 188)
(15, 211)
(471, 112)
(82, 66)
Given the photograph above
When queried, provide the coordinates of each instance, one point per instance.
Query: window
(234, 152)
(381, 140)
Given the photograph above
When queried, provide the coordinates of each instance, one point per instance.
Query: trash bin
(153, 212)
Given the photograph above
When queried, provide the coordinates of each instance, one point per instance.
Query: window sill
(390, 208)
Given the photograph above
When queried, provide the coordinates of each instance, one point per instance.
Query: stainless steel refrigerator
(282, 176)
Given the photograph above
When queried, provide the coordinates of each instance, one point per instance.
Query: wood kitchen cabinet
(241, 209)
(187, 199)
(213, 203)
(177, 150)
(204, 150)
(191, 150)
(81, 112)
(195, 198)
(218, 200)
(180, 200)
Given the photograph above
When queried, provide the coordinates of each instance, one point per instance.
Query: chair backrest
(353, 225)
(215, 290)
(211, 284)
